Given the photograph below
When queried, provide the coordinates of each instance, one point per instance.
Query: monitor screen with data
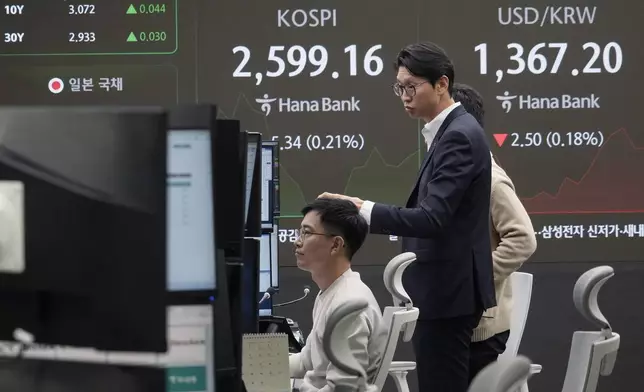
(251, 154)
(268, 183)
(191, 244)
(268, 262)
(275, 265)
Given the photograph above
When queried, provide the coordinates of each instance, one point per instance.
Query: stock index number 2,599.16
(293, 60)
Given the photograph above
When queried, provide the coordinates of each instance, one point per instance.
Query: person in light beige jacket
(513, 242)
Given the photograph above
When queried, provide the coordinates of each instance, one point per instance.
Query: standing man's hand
(326, 195)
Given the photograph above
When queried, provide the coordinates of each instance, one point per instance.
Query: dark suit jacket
(446, 223)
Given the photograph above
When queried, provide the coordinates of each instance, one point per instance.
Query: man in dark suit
(445, 221)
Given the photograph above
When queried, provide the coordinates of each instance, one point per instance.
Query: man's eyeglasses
(303, 234)
(409, 89)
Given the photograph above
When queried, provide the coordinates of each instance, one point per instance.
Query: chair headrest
(502, 376)
(393, 276)
(586, 291)
(334, 341)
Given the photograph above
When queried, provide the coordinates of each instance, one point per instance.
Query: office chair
(521, 296)
(408, 315)
(336, 348)
(398, 319)
(592, 353)
(522, 293)
(502, 376)
(521, 283)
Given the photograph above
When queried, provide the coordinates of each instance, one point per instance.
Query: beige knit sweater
(513, 242)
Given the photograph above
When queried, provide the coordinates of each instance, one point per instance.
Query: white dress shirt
(429, 132)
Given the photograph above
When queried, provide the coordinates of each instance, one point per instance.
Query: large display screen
(559, 82)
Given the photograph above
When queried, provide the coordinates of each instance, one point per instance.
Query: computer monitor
(233, 226)
(268, 261)
(230, 169)
(268, 269)
(250, 287)
(92, 185)
(227, 168)
(265, 274)
(253, 166)
(190, 331)
(191, 227)
(265, 263)
(270, 183)
(233, 195)
(253, 184)
(275, 262)
(253, 230)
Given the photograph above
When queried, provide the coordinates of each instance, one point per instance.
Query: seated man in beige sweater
(331, 232)
(513, 242)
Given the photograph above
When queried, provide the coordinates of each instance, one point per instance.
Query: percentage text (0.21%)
(321, 142)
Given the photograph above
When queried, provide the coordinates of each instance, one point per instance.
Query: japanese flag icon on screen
(56, 85)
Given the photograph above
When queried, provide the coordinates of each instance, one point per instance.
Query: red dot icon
(56, 85)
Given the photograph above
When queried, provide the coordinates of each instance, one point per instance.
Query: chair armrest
(398, 371)
(535, 369)
(401, 366)
(296, 382)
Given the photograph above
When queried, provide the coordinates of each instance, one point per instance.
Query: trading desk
(187, 366)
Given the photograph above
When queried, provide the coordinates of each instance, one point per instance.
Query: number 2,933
(82, 37)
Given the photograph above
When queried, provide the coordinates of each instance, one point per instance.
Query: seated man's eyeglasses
(303, 233)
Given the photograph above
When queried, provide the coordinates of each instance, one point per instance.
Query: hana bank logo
(266, 102)
(563, 101)
(506, 101)
(319, 105)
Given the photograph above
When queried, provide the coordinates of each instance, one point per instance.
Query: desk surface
(189, 330)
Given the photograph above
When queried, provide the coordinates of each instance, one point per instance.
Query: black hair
(428, 61)
(471, 100)
(342, 218)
